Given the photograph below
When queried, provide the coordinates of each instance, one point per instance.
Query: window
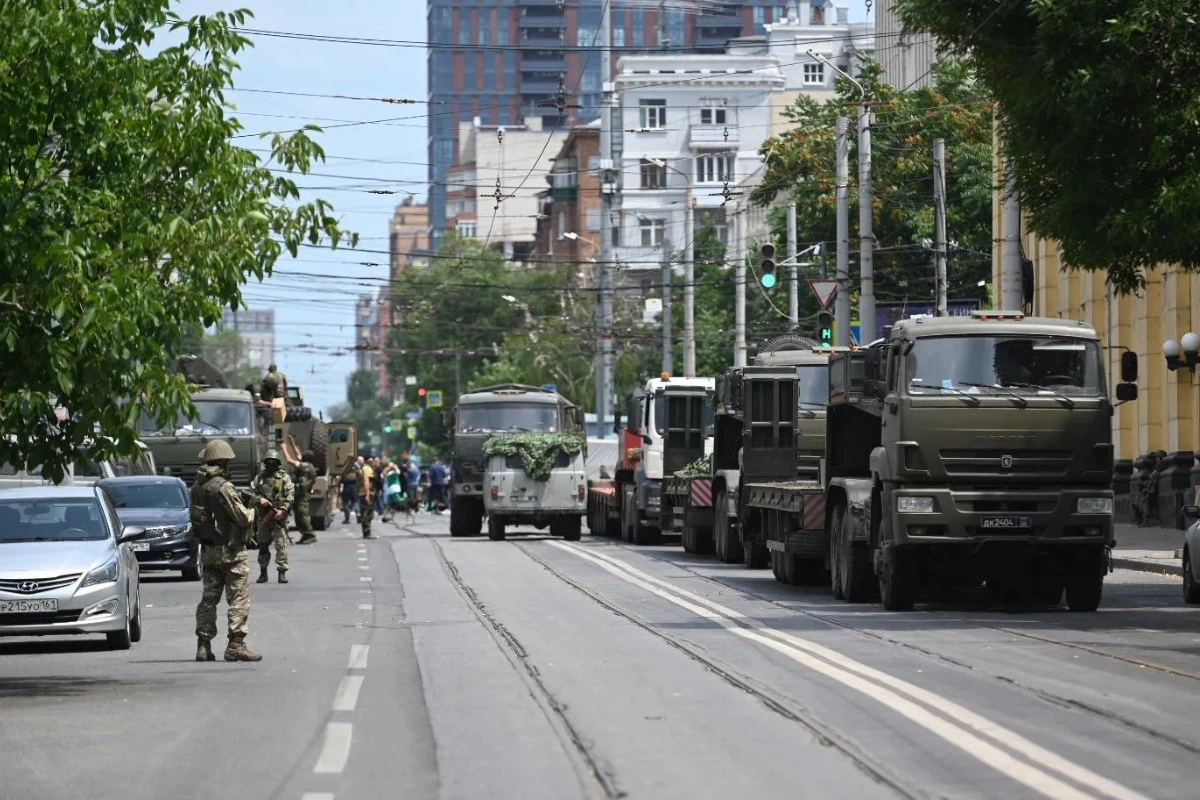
(814, 74)
(489, 70)
(502, 26)
(593, 165)
(654, 176)
(466, 229)
(714, 169)
(712, 116)
(618, 37)
(484, 34)
(510, 68)
(759, 19)
(653, 114)
(637, 27)
(676, 28)
(654, 232)
(464, 34)
(593, 219)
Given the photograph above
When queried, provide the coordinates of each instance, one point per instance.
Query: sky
(314, 295)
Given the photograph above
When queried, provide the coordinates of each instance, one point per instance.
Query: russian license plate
(28, 606)
(140, 547)
(1006, 523)
(521, 498)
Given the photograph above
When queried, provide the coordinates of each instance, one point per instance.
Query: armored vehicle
(334, 446)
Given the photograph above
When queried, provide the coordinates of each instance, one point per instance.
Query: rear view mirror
(1190, 512)
(131, 533)
(646, 439)
(1129, 367)
(1126, 392)
(580, 418)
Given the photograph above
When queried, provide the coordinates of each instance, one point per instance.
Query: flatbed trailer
(604, 507)
(789, 516)
(688, 510)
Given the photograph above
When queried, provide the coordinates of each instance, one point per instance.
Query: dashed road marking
(363, 566)
(336, 750)
(363, 558)
(365, 578)
(358, 656)
(317, 796)
(365, 607)
(347, 693)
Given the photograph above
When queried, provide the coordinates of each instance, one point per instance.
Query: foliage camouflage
(1098, 111)
(129, 214)
(700, 468)
(802, 164)
(537, 450)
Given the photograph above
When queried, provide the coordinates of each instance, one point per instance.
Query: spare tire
(320, 446)
(788, 341)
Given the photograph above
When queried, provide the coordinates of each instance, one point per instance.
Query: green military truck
(481, 415)
(334, 446)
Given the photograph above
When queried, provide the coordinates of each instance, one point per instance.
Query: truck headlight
(914, 505)
(1094, 505)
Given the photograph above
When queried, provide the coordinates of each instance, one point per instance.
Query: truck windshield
(1024, 364)
(488, 417)
(230, 417)
(813, 390)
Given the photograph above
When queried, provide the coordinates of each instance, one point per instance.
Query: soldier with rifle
(276, 486)
(304, 475)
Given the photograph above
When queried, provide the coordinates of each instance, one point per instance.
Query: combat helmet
(273, 455)
(308, 456)
(216, 450)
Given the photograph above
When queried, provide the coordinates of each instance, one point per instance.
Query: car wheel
(122, 639)
(1191, 590)
(191, 573)
(135, 624)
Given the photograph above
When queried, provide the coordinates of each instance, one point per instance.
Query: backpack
(204, 511)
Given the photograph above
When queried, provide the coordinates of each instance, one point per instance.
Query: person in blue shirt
(437, 486)
(412, 474)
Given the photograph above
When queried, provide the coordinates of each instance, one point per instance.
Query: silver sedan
(66, 565)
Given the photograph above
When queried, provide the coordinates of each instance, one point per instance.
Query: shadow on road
(51, 686)
(27, 647)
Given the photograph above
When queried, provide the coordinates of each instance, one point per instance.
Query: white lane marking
(358, 656)
(317, 796)
(363, 558)
(365, 607)
(365, 578)
(866, 679)
(363, 566)
(347, 693)
(336, 750)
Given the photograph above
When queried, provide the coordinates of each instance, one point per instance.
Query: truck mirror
(710, 431)
(1127, 392)
(646, 439)
(1190, 512)
(1129, 367)
(580, 417)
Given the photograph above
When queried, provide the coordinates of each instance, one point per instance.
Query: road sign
(396, 424)
(410, 380)
(413, 415)
(412, 434)
(433, 399)
(824, 290)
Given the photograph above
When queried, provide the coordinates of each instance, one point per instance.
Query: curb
(1141, 565)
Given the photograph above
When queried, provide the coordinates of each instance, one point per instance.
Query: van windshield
(229, 417)
(491, 417)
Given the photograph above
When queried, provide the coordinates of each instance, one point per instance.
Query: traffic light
(766, 264)
(387, 428)
(825, 329)
(421, 392)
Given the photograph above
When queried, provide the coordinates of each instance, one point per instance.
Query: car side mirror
(1191, 512)
(1127, 392)
(646, 439)
(131, 533)
(1129, 367)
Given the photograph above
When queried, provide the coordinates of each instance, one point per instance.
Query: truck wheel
(725, 536)
(897, 583)
(1085, 582)
(320, 445)
(459, 514)
(495, 529)
(755, 556)
(688, 538)
(627, 511)
(1191, 591)
(803, 571)
(835, 552)
(569, 528)
(851, 563)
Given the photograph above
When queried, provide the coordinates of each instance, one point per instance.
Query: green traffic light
(768, 281)
(387, 429)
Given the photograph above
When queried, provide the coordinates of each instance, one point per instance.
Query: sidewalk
(1148, 549)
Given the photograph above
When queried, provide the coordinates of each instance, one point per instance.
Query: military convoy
(954, 452)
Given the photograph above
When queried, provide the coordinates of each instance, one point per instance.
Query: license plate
(28, 606)
(140, 547)
(1006, 523)
(520, 498)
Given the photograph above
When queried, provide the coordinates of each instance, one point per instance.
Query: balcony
(539, 87)
(714, 137)
(554, 23)
(555, 65)
(726, 21)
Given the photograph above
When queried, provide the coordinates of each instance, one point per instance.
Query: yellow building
(1165, 415)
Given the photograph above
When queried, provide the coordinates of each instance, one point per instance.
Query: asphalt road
(419, 666)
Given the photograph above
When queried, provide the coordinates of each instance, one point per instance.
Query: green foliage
(226, 351)
(365, 408)
(1098, 117)
(537, 451)
(802, 168)
(127, 213)
(700, 468)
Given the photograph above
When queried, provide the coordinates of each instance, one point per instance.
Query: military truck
(479, 416)
(968, 450)
(334, 446)
(687, 500)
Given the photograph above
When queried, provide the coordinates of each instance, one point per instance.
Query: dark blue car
(161, 505)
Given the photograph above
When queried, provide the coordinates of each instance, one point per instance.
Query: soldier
(304, 475)
(366, 497)
(277, 487)
(225, 526)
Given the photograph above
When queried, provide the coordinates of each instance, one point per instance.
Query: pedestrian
(377, 466)
(349, 491)
(224, 525)
(273, 483)
(437, 485)
(366, 483)
(393, 491)
(304, 475)
(413, 473)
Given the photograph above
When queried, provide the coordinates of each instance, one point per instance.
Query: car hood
(46, 559)
(153, 517)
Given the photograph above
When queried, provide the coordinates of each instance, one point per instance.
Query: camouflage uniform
(224, 564)
(304, 476)
(278, 488)
(366, 498)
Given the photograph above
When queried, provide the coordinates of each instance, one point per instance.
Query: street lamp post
(689, 273)
(1183, 353)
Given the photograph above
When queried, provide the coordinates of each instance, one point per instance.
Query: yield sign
(824, 290)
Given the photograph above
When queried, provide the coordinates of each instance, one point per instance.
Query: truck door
(343, 446)
(683, 440)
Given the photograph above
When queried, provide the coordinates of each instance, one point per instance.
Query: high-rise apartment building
(907, 57)
(502, 62)
(257, 330)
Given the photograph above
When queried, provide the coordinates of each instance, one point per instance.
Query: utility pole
(866, 247)
(668, 354)
(604, 344)
(793, 270)
(689, 286)
(1012, 295)
(841, 306)
(739, 288)
(939, 227)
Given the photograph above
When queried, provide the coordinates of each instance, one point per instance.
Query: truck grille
(1027, 463)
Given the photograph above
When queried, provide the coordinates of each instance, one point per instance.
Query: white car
(67, 565)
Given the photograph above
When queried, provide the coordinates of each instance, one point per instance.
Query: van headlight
(106, 573)
(1094, 505)
(906, 504)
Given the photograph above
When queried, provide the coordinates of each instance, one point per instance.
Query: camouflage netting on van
(537, 451)
(700, 468)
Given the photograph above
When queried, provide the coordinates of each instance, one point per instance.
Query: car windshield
(231, 417)
(145, 495)
(47, 520)
(813, 386)
(489, 417)
(1024, 364)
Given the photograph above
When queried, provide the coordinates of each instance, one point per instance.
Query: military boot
(283, 576)
(237, 650)
(204, 650)
(262, 575)
(307, 538)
